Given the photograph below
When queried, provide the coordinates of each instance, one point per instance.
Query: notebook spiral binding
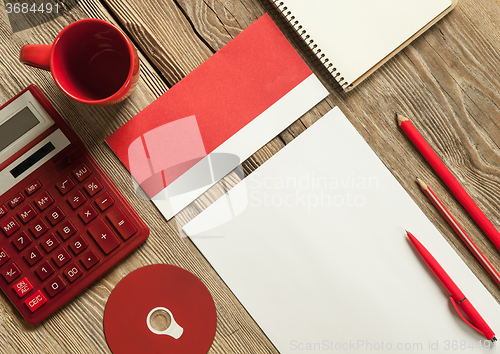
(313, 47)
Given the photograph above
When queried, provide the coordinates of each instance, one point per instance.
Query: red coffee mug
(91, 60)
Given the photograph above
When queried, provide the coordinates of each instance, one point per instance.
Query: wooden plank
(77, 328)
(446, 81)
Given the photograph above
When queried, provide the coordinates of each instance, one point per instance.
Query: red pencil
(450, 181)
(457, 297)
(458, 230)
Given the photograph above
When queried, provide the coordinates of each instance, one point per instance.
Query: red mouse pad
(165, 288)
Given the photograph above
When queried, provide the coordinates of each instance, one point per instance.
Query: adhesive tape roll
(169, 291)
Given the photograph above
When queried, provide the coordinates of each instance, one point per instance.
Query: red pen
(457, 296)
(451, 182)
(459, 231)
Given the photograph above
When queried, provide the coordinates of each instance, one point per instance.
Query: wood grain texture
(77, 328)
(446, 82)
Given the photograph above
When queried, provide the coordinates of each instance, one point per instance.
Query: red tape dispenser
(160, 290)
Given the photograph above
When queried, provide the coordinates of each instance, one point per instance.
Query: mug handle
(36, 55)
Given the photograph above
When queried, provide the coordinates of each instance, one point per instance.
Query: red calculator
(63, 222)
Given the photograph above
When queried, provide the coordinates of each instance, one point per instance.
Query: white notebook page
(356, 34)
(313, 245)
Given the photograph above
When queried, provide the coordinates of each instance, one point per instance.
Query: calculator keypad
(73, 272)
(33, 255)
(18, 199)
(61, 257)
(50, 243)
(27, 213)
(3, 211)
(33, 187)
(121, 223)
(35, 301)
(62, 232)
(21, 241)
(89, 259)
(11, 272)
(23, 287)
(38, 228)
(78, 244)
(65, 185)
(44, 270)
(81, 172)
(4, 257)
(55, 215)
(104, 237)
(104, 201)
(88, 213)
(10, 226)
(55, 286)
(67, 229)
(76, 199)
(43, 201)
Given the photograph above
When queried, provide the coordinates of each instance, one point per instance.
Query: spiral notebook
(354, 38)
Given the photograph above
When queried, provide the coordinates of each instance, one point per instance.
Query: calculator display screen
(17, 126)
(33, 159)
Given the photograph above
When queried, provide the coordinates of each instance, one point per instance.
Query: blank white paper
(317, 253)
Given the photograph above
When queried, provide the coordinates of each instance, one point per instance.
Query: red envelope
(208, 107)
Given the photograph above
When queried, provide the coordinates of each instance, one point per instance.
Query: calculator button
(44, 270)
(73, 272)
(67, 230)
(27, 213)
(11, 272)
(33, 255)
(21, 241)
(104, 237)
(23, 287)
(4, 257)
(33, 187)
(35, 301)
(38, 228)
(78, 244)
(16, 200)
(55, 286)
(81, 172)
(121, 223)
(3, 210)
(76, 199)
(89, 259)
(65, 185)
(55, 215)
(93, 186)
(50, 243)
(10, 226)
(61, 258)
(43, 201)
(104, 201)
(88, 213)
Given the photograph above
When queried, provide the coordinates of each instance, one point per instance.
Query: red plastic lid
(170, 288)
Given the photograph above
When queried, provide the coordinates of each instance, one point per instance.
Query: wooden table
(447, 82)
